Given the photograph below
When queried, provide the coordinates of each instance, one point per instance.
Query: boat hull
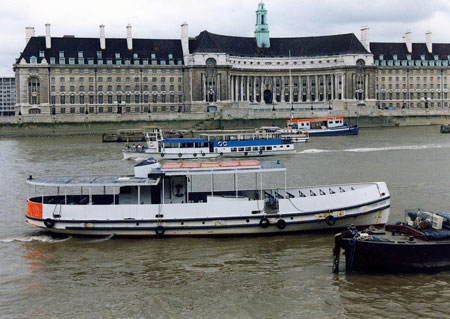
(334, 132)
(400, 256)
(221, 216)
(176, 156)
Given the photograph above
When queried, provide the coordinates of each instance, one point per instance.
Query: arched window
(360, 62)
(34, 91)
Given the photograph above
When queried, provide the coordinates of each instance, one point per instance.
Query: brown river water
(246, 277)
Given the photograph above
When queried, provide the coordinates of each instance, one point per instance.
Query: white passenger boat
(199, 198)
(214, 145)
(297, 136)
(325, 126)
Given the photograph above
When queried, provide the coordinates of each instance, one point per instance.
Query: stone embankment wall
(233, 119)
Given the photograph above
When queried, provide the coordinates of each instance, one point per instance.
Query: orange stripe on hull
(34, 210)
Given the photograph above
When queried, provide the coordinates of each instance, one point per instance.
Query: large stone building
(71, 75)
(412, 75)
(61, 75)
(7, 96)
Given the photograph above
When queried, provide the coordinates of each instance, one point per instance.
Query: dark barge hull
(378, 256)
(399, 248)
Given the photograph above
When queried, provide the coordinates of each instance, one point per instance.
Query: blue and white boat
(213, 146)
(325, 126)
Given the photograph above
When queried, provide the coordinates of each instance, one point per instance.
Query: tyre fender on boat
(221, 153)
(160, 230)
(49, 223)
(203, 153)
(330, 220)
(260, 152)
(162, 154)
(281, 224)
(179, 154)
(195, 154)
(245, 153)
(264, 223)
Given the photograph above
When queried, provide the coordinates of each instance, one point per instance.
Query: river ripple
(250, 277)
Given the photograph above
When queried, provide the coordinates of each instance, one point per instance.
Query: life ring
(281, 224)
(152, 144)
(162, 154)
(225, 143)
(49, 223)
(264, 223)
(245, 153)
(260, 152)
(330, 220)
(203, 153)
(220, 144)
(195, 154)
(179, 154)
(160, 230)
(221, 153)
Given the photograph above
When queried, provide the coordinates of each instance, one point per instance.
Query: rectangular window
(63, 99)
(81, 99)
(82, 110)
(110, 99)
(91, 99)
(100, 99)
(72, 99)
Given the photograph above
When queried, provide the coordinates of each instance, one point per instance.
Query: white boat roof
(169, 169)
(93, 180)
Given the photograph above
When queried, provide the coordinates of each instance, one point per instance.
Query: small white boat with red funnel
(198, 199)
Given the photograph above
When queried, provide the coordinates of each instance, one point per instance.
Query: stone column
(247, 98)
(325, 87)
(204, 87)
(291, 90)
(366, 87)
(274, 89)
(241, 88)
(218, 88)
(308, 89)
(344, 86)
(261, 88)
(254, 89)
(230, 87)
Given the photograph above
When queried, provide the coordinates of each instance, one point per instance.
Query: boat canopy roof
(154, 177)
(225, 167)
(319, 119)
(183, 140)
(93, 180)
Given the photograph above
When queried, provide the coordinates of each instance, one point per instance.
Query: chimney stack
(29, 33)
(48, 39)
(185, 39)
(428, 41)
(365, 38)
(408, 41)
(102, 37)
(129, 38)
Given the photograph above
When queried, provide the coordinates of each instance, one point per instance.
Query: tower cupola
(261, 27)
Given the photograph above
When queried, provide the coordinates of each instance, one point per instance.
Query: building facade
(7, 96)
(64, 75)
(212, 72)
(412, 75)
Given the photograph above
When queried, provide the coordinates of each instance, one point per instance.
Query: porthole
(247, 220)
(203, 223)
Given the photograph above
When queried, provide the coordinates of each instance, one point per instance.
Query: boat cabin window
(248, 149)
(234, 149)
(241, 149)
